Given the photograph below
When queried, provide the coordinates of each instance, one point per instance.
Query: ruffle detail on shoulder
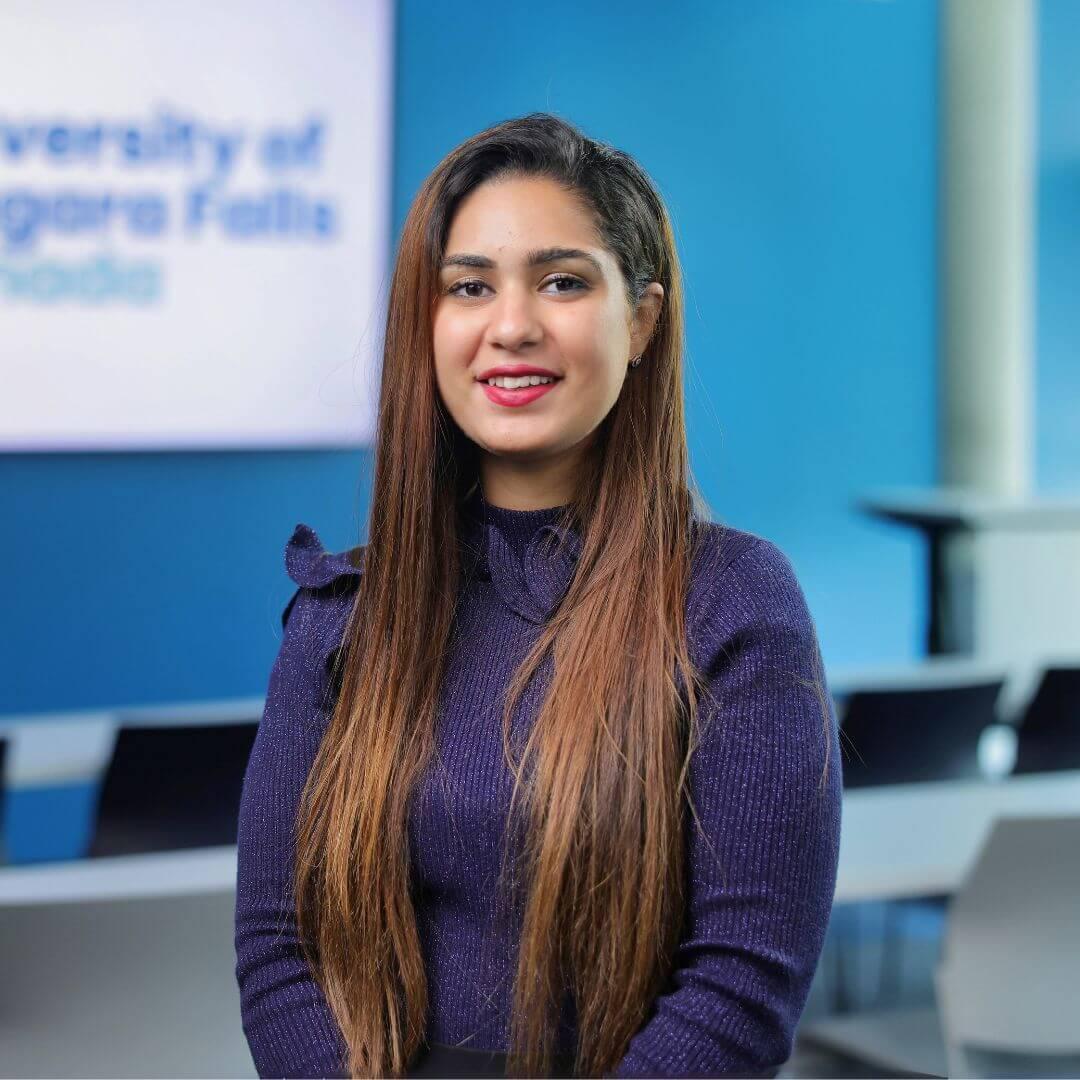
(309, 564)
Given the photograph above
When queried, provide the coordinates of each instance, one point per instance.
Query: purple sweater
(755, 923)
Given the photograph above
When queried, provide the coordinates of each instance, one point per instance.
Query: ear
(645, 317)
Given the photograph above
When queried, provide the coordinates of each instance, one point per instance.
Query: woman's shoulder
(309, 564)
(719, 545)
(326, 580)
(741, 579)
(725, 552)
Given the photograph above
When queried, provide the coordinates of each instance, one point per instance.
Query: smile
(519, 395)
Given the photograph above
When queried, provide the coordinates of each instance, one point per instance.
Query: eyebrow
(533, 258)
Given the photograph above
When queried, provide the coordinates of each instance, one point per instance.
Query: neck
(513, 486)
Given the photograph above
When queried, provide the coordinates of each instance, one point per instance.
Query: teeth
(508, 383)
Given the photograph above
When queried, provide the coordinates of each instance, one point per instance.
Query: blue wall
(142, 578)
(1058, 303)
(795, 144)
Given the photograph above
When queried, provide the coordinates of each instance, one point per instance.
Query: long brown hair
(603, 772)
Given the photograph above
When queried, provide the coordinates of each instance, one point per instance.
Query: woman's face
(509, 300)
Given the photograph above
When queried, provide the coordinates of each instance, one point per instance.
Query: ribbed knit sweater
(757, 911)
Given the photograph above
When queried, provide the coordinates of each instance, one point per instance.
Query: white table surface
(897, 841)
(191, 872)
(919, 839)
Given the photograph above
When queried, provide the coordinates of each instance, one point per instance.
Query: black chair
(900, 736)
(172, 787)
(1048, 735)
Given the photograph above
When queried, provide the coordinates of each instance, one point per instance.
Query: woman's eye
(471, 283)
(475, 283)
(567, 278)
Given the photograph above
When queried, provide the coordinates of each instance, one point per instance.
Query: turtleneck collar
(517, 551)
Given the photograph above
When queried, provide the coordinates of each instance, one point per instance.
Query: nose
(513, 319)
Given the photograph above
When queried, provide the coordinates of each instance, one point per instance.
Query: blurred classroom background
(877, 208)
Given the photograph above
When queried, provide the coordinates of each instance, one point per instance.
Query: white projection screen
(195, 205)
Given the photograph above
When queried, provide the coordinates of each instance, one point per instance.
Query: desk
(896, 841)
(158, 874)
(907, 840)
(1003, 574)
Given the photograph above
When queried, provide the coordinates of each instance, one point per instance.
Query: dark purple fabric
(762, 861)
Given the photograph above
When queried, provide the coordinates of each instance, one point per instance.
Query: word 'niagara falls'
(25, 216)
(141, 197)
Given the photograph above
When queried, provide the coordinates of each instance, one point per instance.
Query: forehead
(509, 216)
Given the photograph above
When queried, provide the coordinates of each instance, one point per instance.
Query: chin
(517, 446)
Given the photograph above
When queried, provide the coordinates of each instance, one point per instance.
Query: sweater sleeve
(766, 782)
(287, 1022)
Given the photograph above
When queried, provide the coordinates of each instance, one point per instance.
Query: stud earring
(636, 360)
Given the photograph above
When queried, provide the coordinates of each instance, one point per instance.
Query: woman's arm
(759, 905)
(287, 1022)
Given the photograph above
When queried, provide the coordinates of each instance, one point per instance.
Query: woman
(558, 753)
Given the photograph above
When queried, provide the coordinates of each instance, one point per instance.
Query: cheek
(452, 337)
(456, 334)
(593, 337)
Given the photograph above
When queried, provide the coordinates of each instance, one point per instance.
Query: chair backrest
(1048, 735)
(897, 736)
(1011, 953)
(171, 787)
